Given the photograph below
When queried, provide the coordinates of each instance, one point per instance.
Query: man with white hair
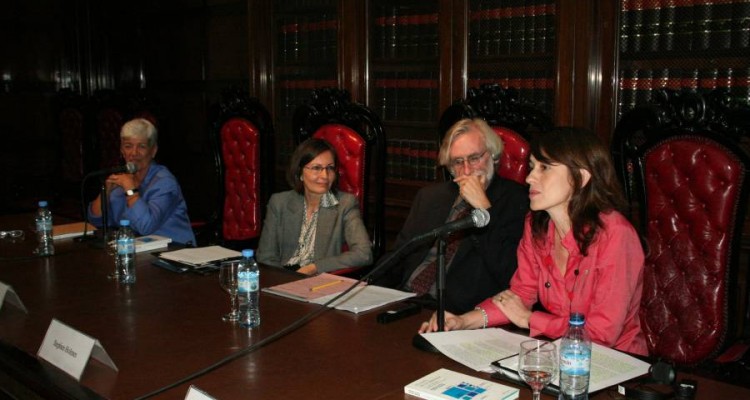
(479, 261)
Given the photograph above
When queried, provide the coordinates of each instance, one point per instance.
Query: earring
(302, 179)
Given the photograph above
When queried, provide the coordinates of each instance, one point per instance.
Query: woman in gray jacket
(305, 228)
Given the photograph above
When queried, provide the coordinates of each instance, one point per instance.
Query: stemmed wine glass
(537, 364)
(228, 281)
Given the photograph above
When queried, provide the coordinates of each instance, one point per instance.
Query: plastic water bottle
(575, 360)
(248, 282)
(43, 221)
(125, 260)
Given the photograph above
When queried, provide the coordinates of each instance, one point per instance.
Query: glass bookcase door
(512, 43)
(695, 46)
(305, 58)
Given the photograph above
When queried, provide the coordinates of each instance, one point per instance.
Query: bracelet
(484, 316)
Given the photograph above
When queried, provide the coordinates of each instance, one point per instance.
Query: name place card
(70, 350)
(196, 394)
(7, 292)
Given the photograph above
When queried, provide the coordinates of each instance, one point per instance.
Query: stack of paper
(322, 288)
(200, 256)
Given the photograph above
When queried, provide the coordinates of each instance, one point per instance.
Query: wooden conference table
(168, 326)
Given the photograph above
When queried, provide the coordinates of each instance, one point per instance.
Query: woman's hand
(309, 269)
(471, 320)
(125, 181)
(513, 308)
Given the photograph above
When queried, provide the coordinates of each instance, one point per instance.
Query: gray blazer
(336, 226)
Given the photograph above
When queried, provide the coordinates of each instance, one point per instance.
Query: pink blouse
(605, 286)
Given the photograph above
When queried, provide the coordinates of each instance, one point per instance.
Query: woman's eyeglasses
(319, 168)
(14, 234)
(473, 160)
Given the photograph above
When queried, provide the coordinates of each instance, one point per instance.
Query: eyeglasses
(472, 159)
(14, 234)
(317, 169)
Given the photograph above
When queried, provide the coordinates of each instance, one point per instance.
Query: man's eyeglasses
(317, 169)
(472, 159)
(14, 234)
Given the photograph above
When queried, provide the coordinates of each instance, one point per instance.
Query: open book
(321, 288)
(151, 242)
(200, 256)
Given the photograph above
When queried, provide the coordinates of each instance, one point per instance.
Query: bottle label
(125, 246)
(43, 225)
(254, 281)
(575, 362)
(243, 281)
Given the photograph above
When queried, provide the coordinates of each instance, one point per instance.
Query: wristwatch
(131, 192)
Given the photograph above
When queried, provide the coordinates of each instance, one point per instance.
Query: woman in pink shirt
(578, 252)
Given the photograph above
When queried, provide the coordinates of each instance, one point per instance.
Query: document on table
(365, 298)
(476, 348)
(473, 348)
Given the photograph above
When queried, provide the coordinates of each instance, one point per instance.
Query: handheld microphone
(129, 168)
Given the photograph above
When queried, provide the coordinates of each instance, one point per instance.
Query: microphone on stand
(129, 168)
(478, 218)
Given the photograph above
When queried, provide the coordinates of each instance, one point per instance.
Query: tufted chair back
(689, 182)
(351, 151)
(357, 135)
(512, 121)
(242, 131)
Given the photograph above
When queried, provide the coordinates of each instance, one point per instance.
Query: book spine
(651, 25)
(683, 33)
(740, 25)
(667, 25)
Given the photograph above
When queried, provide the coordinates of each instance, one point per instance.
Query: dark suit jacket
(485, 259)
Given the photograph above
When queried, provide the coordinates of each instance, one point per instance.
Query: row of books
(406, 97)
(410, 159)
(405, 36)
(685, 25)
(638, 85)
(534, 87)
(307, 39)
(294, 92)
(511, 27)
(304, 5)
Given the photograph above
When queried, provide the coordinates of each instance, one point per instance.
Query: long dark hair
(303, 154)
(579, 149)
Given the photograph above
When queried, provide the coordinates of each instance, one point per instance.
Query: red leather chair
(687, 175)
(242, 129)
(510, 119)
(357, 135)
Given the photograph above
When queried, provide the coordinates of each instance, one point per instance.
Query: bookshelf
(512, 43)
(305, 58)
(684, 45)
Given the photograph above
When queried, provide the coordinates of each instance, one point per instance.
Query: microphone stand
(418, 340)
(105, 218)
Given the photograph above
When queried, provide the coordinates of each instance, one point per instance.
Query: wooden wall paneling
(566, 25)
(260, 55)
(352, 49)
(452, 54)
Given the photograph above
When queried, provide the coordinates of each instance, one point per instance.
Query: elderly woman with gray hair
(150, 197)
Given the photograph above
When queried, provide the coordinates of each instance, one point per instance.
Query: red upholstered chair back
(511, 120)
(688, 181)
(351, 151)
(514, 162)
(242, 139)
(240, 150)
(357, 135)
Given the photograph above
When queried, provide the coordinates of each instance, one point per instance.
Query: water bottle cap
(42, 203)
(577, 318)
(247, 253)
(124, 222)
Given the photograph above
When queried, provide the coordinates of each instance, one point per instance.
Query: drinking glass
(228, 281)
(537, 364)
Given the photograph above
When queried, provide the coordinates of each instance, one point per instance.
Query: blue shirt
(159, 210)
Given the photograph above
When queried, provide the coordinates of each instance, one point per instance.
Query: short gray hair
(141, 128)
(491, 140)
